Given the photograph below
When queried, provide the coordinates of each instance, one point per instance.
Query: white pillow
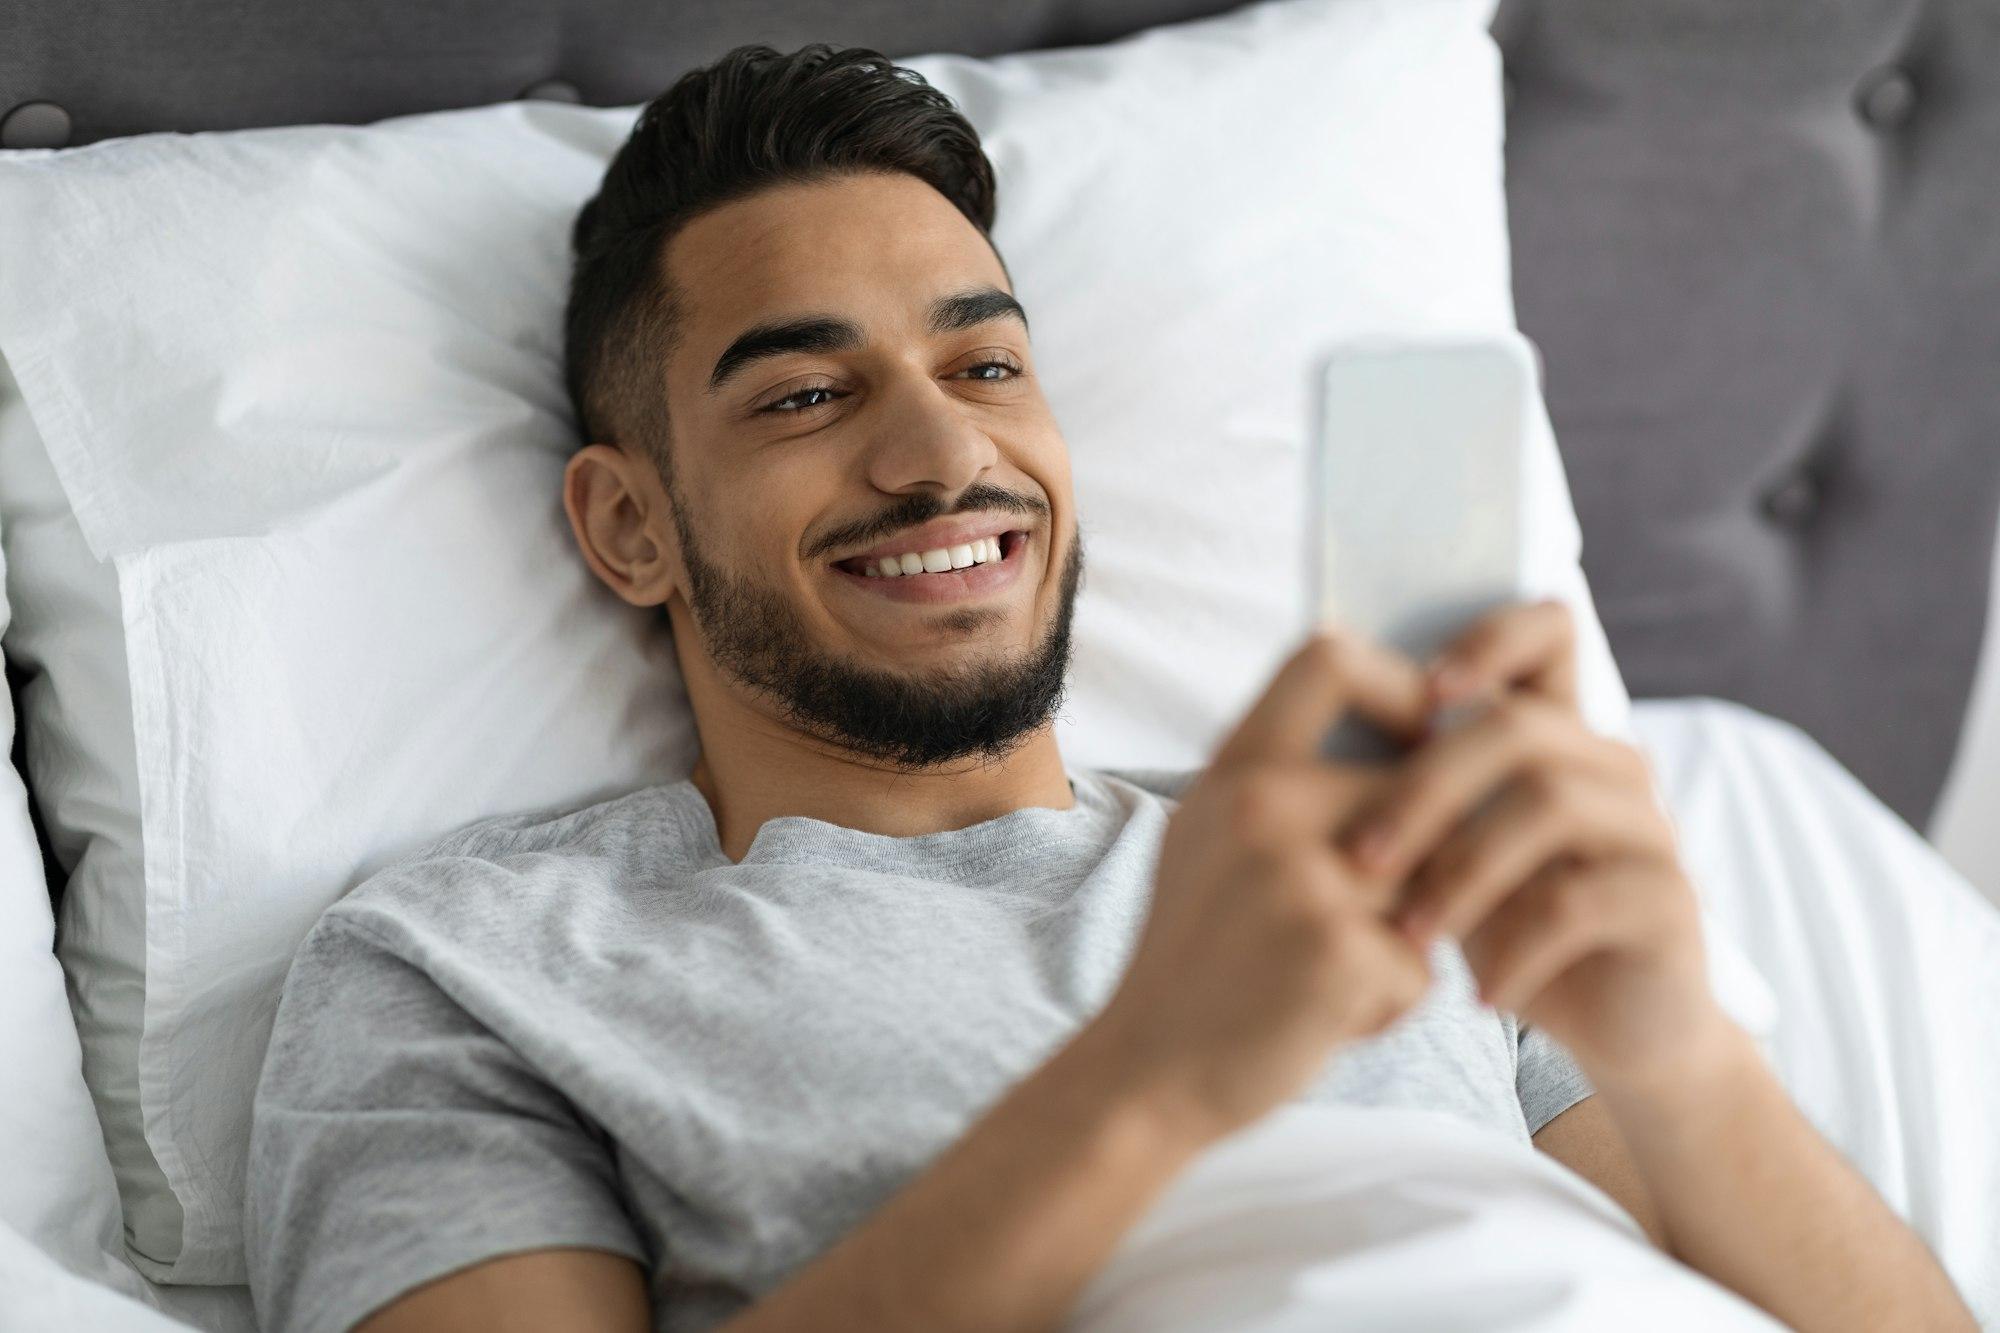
(84, 770)
(56, 1187)
(42, 1294)
(301, 388)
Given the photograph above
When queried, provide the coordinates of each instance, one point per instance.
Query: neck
(754, 767)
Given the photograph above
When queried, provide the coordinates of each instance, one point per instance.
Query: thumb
(1332, 671)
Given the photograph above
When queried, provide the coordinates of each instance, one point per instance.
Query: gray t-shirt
(590, 1028)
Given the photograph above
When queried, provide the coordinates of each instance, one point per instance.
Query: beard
(982, 711)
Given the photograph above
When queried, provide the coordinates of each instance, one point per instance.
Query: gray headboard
(1756, 240)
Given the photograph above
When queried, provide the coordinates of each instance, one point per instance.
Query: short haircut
(751, 120)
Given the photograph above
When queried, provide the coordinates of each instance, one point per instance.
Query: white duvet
(1884, 960)
(1886, 968)
(1315, 1218)
(1324, 1218)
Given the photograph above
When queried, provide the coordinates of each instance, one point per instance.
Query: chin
(953, 644)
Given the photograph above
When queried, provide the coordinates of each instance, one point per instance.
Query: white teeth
(963, 556)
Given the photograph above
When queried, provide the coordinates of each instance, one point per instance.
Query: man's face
(852, 392)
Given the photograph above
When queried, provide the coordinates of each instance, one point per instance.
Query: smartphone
(1416, 490)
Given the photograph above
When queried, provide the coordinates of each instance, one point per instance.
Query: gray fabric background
(1755, 240)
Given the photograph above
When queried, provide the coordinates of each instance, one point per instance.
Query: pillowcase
(56, 1187)
(42, 1294)
(301, 390)
(82, 765)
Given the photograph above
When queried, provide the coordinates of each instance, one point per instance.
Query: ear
(618, 510)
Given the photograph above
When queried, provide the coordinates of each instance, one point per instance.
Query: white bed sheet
(1355, 1217)
(1884, 959)
(1885, 963)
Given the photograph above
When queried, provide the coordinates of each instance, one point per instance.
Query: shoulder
(584, 828)
(1163, 784)
(492, 873)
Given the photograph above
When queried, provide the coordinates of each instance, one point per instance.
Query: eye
(795, 397)
(1008, 366)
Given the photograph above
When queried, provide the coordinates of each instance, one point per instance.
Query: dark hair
(751, 120)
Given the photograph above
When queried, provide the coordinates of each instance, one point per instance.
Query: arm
(1752, 1195)
(1723, 1173)
(1541, 846)
(539, 1291)
(1059, 1169)
(1585, 1140)
(1004, 1230)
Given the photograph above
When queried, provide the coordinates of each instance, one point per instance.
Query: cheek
(759, 506)
(777, 512)
(1044, 458)
(725, 530)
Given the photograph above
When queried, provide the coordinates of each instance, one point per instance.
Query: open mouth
(938, 560)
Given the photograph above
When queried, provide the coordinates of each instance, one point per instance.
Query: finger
(1569, 911)
(1332, 671)
(1399, 976)
(1283, 806)
(1440, 782)
(1527, 644)
(1289, 803)
(1487, 858)
(1545, 810)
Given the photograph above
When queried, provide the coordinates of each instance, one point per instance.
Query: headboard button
(35, 125)
(1795, 501)
(1886, 97)
(551, 90)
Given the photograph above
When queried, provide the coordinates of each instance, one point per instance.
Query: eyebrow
(962, 310)
(827, 333)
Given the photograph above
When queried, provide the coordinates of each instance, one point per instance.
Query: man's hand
(1540, 846)
(1263, 948)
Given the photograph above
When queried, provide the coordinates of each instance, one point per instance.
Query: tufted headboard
(1755, 239)
(1757, 242)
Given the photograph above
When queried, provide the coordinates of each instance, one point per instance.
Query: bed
(1751, 243)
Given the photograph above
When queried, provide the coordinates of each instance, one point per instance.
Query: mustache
(911, 510)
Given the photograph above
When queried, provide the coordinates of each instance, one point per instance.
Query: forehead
(871, 247)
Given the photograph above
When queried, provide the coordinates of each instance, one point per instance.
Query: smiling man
(889, 571)
(887, 1018)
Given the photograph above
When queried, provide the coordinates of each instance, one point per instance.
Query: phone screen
(1416, 494)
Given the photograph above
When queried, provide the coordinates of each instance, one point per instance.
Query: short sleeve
(1546, 1077)
(394, 1139)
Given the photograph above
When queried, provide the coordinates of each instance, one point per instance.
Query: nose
(926, 440)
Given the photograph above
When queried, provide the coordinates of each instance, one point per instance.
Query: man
(886, 1018)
